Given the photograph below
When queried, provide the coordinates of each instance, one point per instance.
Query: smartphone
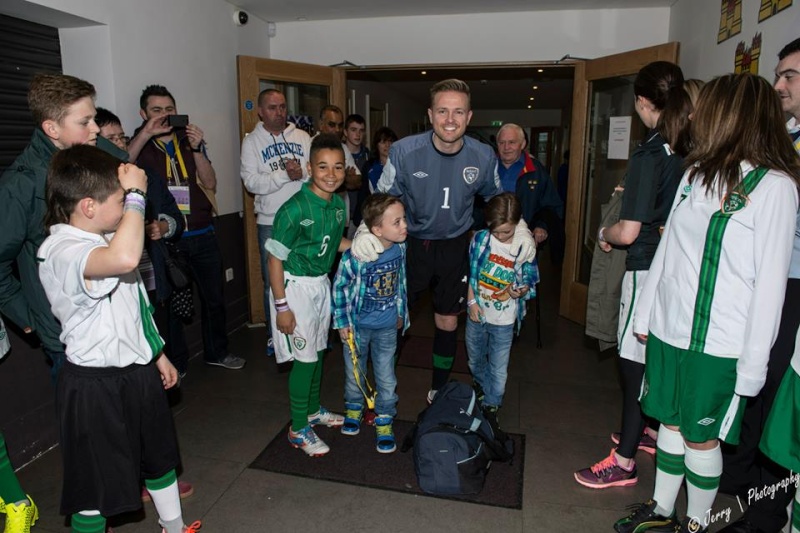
(177, 121)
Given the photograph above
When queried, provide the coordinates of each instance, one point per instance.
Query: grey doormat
(354, 461)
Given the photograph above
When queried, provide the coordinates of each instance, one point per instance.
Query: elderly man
(527, 178)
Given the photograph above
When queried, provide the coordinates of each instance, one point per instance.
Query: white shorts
(629, 346)
(310, 301)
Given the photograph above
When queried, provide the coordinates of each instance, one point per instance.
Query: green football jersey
(310, 229)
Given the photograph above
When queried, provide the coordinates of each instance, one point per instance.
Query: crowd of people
(351, 238)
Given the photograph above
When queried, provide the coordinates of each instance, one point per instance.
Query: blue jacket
(538, 194)
(349, 290)
(160, 202)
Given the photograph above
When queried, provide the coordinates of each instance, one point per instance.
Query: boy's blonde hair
(50, 95)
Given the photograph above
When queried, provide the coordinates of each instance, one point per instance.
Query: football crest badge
(471, 174)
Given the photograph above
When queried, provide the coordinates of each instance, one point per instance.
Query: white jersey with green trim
(439, 189)
(747, 291)
(105, 322)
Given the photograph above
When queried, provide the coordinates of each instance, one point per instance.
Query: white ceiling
(294, 10)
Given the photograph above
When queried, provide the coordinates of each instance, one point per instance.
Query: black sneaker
(230, 361)
(644, 518)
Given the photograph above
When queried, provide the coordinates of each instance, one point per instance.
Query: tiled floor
(565, 397)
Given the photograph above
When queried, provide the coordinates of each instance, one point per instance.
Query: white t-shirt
(106, 322)
(495, 278)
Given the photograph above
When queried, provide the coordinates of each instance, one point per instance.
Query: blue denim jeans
(488, 351)
(379, 345)
(264, 234)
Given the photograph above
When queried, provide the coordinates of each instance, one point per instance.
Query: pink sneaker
(647, 444)
(607, 473)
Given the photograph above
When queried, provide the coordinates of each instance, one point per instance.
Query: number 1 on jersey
(446, 204)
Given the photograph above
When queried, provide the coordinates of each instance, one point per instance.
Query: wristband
(197, 150)
(280, 301)
(471, 302)
(282, 308)
(134, 203)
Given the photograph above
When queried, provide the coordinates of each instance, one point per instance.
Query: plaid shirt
(479, 254)
(349, 290)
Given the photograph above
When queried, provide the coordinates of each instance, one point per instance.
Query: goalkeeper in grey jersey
(437, 175)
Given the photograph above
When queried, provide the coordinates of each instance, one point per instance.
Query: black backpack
(455, 444)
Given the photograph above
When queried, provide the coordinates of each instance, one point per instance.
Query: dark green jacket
(22, 209)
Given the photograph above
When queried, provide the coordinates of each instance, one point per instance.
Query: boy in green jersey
(307, 233)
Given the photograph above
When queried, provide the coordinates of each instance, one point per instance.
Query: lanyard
(172, 169)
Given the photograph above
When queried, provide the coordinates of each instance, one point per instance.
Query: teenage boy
(63, 110)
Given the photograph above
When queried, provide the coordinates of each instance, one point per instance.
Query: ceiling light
(424, 72)
(529, 107)
(535, 87)
(540, 70)
(531, 98)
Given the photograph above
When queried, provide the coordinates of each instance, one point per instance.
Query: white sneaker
(308, 441)
(323, 417)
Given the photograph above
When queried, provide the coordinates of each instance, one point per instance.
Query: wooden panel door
(307, 89)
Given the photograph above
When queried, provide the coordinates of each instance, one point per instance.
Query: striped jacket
(349, 291)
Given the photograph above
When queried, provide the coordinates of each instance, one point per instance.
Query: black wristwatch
(136, 191)
(197, 150)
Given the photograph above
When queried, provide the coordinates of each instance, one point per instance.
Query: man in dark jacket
(525, 176)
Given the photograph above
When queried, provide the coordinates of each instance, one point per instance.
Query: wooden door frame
(250, 70)
(573, 293)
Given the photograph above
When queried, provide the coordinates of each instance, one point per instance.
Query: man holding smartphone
(178, 155)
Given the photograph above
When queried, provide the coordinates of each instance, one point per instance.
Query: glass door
(603, 89)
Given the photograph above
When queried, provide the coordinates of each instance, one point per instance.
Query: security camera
(240, 18)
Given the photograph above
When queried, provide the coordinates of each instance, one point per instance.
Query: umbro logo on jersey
(307, 222)
(470, 174)
(419, 174)
(706, 421)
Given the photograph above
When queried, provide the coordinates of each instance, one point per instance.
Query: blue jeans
(205, 261)
(264, 234)
(379, 345)
(488, 350)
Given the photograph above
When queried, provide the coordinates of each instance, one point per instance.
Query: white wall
(695, 25)
(490, 37)
(190, 46)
